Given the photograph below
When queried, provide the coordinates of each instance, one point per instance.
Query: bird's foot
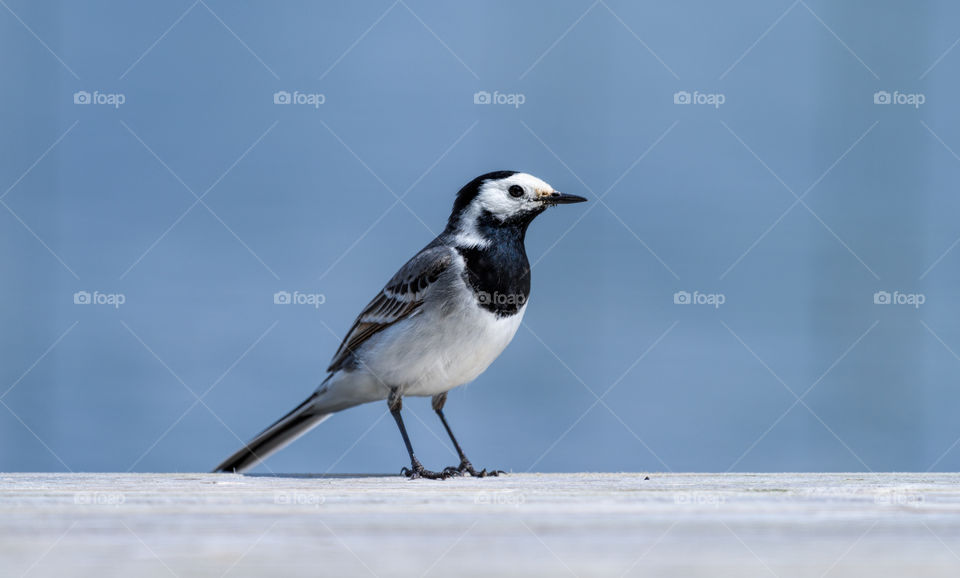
(418, 471)
(466, 467)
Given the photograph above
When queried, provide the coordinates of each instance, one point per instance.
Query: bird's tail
(288, 428)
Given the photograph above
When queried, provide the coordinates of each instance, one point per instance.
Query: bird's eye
(515, 191)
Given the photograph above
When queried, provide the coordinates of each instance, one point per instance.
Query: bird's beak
(557, 198)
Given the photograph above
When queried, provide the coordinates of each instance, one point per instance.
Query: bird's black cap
(471, 189)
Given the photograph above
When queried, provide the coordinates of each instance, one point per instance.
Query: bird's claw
(418, 471)
(466, 467)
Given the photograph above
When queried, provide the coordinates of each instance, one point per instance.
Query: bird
(439, 322)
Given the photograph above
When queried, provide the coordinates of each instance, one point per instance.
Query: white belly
(438, 350)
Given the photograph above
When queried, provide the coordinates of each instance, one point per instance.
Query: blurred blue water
(798, 369)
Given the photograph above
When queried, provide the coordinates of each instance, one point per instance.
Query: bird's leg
(465, 466)
(416, 469)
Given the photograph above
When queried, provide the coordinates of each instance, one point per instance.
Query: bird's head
(501, 199)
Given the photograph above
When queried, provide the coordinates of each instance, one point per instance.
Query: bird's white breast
(447, 343)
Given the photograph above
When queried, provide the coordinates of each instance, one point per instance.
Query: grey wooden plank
(531, 524)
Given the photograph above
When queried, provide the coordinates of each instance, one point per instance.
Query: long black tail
(288, 428)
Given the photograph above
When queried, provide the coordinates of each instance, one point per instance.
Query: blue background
(799, 369)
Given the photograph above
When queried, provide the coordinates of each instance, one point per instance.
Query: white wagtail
(438, 323)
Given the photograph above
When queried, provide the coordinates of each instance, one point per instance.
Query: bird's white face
(515, 195)
(511, 201)
(503, 198)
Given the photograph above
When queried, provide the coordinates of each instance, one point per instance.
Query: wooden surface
(144, 525)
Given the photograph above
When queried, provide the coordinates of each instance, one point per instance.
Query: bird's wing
(400, 298)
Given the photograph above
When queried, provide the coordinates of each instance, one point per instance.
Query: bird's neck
(481, 229)
(496, 262)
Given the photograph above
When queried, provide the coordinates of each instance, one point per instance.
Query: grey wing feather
(400, 298)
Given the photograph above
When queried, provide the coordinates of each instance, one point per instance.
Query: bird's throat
(499, 273)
